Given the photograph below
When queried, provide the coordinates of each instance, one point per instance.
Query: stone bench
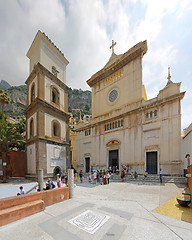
(14, 213)
(17, 207)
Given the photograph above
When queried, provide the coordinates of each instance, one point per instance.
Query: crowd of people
(94, 176)
(98, 176)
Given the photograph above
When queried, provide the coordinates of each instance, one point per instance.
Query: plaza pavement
(130, 208)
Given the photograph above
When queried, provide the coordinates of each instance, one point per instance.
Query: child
(22, 191)
(81, 176)
(59, 184)
(131, 174)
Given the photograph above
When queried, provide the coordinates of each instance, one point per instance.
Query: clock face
(113, 95)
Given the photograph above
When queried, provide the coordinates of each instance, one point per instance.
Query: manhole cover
(89, 221)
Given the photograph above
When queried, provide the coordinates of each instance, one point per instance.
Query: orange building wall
(16, 164)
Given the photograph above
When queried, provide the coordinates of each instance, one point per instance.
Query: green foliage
(21, 88)
(21, 126)
(4, 98)
(10, 139)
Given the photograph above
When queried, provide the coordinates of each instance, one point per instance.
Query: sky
(83, 31)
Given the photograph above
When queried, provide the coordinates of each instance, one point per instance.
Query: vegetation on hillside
(77, 99)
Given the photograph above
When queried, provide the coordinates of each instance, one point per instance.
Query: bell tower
(47, 118)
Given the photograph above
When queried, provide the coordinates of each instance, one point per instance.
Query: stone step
(150, 178)
(14, 213)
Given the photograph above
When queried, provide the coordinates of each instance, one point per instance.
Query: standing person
(104, 178)
(110, 169)
(58, 180)
(128, 170)
(94, 177)
(100, 177)
(62, 176)
(75, 179)
(122, 175)
(81, 176)
(108, 177)
(161, 175)
(66, 179)
(90, 176)
(135, 174)
(22, 191)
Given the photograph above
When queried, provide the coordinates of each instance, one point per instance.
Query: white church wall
(48, 84)
(34, 116)
(31, 159)
(49, 59)
(129, 87)
(56, 157)
(186, 145)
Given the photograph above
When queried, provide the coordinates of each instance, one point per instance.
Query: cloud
(83, 30)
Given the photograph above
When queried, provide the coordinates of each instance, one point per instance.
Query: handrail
(31, 189)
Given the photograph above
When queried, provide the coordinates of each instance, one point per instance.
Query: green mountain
(77, 99)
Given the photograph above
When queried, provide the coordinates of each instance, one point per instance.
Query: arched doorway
(57, 170)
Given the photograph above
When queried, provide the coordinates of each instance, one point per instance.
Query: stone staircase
(150, 179)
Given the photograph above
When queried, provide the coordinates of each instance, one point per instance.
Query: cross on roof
(112, 46)
(169, 75)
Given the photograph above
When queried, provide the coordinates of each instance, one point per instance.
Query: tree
(10, 139)
(87, 107)
(21, 126)
(4, 99)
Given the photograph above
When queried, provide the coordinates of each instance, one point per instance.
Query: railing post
(71, 182)
(40, 179)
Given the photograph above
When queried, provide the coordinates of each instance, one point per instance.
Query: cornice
(38, 68)
(141, 108)
(137, 51)
(39, 102)
(55, 141)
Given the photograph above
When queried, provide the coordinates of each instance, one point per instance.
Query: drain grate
(89, 221)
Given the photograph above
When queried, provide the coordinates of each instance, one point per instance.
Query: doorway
(151, 162)
(87, 164)
(114, 158)
(57, 170)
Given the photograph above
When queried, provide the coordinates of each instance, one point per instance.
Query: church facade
(126, 128)
(47, 118)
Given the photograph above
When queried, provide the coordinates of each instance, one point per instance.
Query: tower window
(54, 95)
(151, 114)
(31, 128)
(56, 130)
(33, 93)
(155, 113)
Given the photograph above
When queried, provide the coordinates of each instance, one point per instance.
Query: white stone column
(40, 179)
(71, 182)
